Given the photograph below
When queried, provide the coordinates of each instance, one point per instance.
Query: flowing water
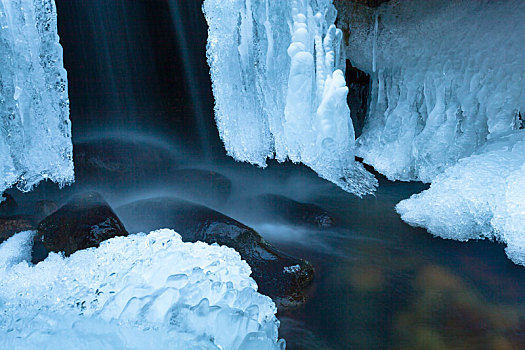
(381, 284)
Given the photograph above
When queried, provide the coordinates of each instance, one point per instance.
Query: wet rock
(84, 222)
(9, 225)
(204, 186)
(8, 206)
(279, 275)
(283, 208)
(117, 160)
(45, 208)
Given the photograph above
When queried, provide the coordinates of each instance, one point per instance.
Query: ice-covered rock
(35, 138)
(137, 292)
(482, 196)
(279, 86)
(195, 223)
(448, 76)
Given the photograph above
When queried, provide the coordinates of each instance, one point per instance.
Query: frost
(483, 196)
(446, 76)
(279, 87)
(137, 292)
(35, 140)
(292, 269)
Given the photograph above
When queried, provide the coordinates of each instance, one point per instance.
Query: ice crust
(449, 76)
(279, 87)
(35, 140)
(482, 196)
(137, 292)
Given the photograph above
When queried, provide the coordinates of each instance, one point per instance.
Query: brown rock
(84, 222)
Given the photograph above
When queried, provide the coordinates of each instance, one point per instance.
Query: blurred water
(139, 65)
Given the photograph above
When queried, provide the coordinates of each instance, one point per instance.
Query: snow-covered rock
(137, 292)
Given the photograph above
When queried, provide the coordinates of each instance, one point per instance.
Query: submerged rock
(84, 222)
(447, 312)
(204, 186)
(277, 274)
(284, 208)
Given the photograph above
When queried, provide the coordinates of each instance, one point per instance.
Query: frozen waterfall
(279, 86)
(35, 142)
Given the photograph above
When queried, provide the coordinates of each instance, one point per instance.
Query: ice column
(279, 86)
(35, 133)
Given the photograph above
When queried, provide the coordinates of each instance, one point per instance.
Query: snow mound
(137, 292)
(483, 196)
(279, 87)
(35, 142)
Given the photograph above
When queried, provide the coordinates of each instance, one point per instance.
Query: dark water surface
(382, 284)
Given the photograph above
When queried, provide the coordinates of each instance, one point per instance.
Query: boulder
(83, 222)
(9, 225)
(283, 208)
(278, 275)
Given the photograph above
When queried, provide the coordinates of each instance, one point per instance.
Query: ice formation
(137, 292)
(483, 196)
(446, 107)
(35, 140)
(446, 76)
(279, 87)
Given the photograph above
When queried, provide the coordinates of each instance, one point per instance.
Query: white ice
(449, 75)
(279, 87)
(483, 196)
(446, 107)
(35, 133)
(138, 292)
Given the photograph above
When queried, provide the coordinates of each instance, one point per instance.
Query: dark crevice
(358, 83)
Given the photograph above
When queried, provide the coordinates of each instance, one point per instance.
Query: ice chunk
(446, 76)
(483, 196)
(280, 92)
(35, 141)
(137, 292)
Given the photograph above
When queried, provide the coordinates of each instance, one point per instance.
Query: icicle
(374, 49)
